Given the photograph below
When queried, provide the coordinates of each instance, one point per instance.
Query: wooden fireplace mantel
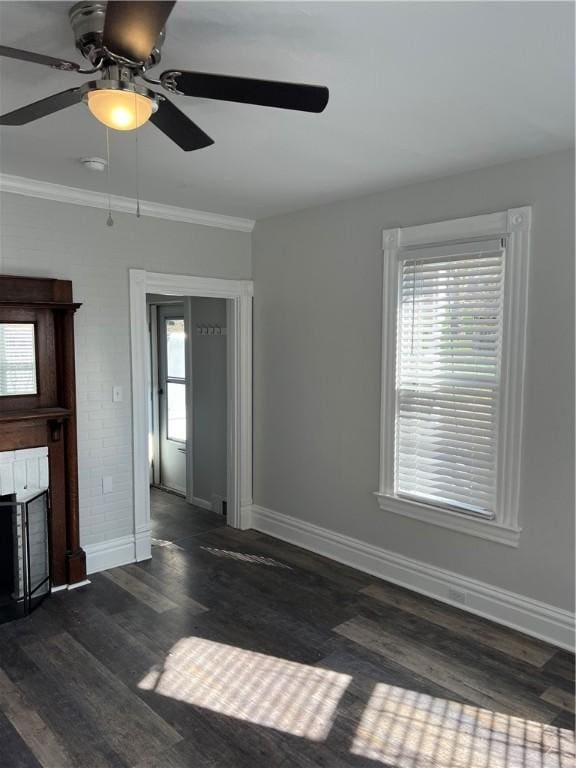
(48, 418)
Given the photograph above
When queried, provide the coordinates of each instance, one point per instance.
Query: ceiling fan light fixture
(120, 110)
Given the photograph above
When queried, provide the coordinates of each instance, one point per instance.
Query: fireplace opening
(7, 572)
(25, 551)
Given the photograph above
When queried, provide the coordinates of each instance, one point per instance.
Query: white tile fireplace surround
(25, 473)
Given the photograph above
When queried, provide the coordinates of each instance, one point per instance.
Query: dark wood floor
(233, 649)
(172, 519)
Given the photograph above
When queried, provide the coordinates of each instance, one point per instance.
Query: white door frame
(239, 393)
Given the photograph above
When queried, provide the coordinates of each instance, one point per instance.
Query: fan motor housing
(87, 21)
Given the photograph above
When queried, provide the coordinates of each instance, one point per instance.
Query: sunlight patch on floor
(407, 729)
(397, 727)
(164, 543)
(264, 690)
(246, 558)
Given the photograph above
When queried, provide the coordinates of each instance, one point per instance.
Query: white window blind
(449, 339)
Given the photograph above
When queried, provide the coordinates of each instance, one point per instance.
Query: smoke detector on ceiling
(94, 163)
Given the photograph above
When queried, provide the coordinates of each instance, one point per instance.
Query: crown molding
(19, 185)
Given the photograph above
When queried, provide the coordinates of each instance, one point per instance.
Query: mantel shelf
(70, 305)
(35, 414)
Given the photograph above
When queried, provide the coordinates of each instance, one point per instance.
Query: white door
(172, 397)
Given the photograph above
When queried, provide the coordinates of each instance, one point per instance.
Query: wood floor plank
(367, 669)
(448, 672)
(464, 624)
(174, 758)
(13, 749)
(121, 652)
(74, 726)
(520, 675)
(560, 698)
(129, 725)
(561, 666)
(136, 587)
(566, 721)
(164, 588)
(38, 737)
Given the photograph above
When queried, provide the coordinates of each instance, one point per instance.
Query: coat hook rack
(210, 330)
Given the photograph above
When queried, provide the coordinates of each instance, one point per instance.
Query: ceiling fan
(122, 40)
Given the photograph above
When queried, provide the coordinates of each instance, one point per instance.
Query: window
(175, 379)
(452, 371)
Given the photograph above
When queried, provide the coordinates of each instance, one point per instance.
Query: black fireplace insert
(25, 552)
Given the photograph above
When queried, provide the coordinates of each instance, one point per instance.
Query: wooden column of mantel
(48, 417)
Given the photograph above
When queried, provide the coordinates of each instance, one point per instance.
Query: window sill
(484, 529)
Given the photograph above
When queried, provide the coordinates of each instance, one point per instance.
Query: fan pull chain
(413, 307)
(137, 169)
(109, 220)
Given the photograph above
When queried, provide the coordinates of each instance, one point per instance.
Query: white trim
(239, 457)
(514, 224)
(453, 229)
(143, 543)
(532, 617)
(446, 518)
(154, 396)
(19, 185)
(189, 373)
(110, 554)
(202, 503)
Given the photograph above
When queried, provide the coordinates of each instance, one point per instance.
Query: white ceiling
(417, 90)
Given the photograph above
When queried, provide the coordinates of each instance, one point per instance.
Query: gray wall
(209, 399)
(41, 238)
(318, 296)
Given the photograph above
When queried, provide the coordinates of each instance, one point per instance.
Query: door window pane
(175, 348)
(176, 411)
(17, 359)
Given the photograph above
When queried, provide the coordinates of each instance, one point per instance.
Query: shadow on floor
(173, 519)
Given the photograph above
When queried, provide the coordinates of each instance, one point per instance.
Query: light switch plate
(117, 394)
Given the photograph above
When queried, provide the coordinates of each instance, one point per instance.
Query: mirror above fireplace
(18, 359)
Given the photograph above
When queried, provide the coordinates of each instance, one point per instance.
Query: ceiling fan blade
(38, 58)
(41, 108)
(132, 28)
(266, 93)
(178, 127)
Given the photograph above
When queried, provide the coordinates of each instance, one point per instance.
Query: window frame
(513, 224)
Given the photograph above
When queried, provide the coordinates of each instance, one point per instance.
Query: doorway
(238, 388)
(189, 397)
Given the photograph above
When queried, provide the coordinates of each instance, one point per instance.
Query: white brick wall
(40, 238)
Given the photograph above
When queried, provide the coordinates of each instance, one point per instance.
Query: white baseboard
(110, 554)
(541, 620)
(143, 543)
(202, 503)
